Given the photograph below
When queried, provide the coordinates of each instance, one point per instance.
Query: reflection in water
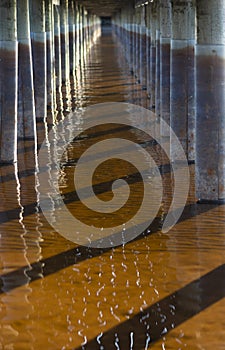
(14, 252)
(156, 292)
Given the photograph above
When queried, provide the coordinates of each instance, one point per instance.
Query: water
(160, 291)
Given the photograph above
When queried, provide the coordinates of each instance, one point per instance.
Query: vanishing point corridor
(160, 290)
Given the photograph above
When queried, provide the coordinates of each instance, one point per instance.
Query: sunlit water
(161, 291)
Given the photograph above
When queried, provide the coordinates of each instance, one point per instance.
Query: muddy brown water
(160, 291)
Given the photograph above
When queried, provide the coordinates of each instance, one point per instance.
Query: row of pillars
(176, 49)
(42, 44)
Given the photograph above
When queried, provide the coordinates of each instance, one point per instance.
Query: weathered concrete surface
(182, 80)
(148, 49)
(72, 37)
(50, 59)
(165, 37)
(8, 104)
(143, 59)
(38, 40)
(153, 19)
(26, 105)
(8, 81)
(210, 98)
(64, 33)
(57, 52)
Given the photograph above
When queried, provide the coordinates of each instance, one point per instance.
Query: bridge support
(210, 95)
(8, 81)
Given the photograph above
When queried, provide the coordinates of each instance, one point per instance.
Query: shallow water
(159, 291)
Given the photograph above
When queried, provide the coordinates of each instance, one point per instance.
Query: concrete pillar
(72, 37)
(183, 74)
(157, 66)
(26, 106)
(85, 38)
(8, 81)
(134, 33)
(89, 23)
(90, 37)
(77, 37)
(124, 31)
(210, 97)
(165, 37)
(64, 33)
(148, 47)
(81, 37)
(84, 33)
(131, 35)
(143, 47)
(153, 20)
(38, 40)
(50, 54)
(138, 42)
(57, 52)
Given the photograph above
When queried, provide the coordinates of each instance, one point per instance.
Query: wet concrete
(156, 292)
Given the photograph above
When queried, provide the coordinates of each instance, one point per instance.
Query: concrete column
(131, 35)
(26, 106)
(124, 32)
(88, 31)
(165, 37)
(210, 97)
(81, 37)
(148, 47)
(85, 39)
(8, 81)
(143, 47)
(157, 66)
(183, 74)
(38, 40)
(72, 37)
(64, 33)
(77, 37)
(134, 33)
(57, 52)
(51, 83)
(138, 42)
(153, 20)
